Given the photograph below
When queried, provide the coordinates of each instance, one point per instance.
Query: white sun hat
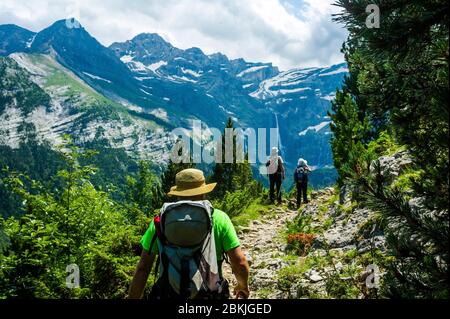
(302, 162)
(274, 151)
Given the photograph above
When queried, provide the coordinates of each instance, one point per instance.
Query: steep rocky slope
(332, 247)
(43, 99)
(339, 254)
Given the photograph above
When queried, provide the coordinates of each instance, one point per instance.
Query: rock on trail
(265, 246)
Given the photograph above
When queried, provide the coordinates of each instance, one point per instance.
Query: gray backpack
(188, 265)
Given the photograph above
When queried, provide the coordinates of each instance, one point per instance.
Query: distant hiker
(192, 240)
(301, 181)
(275, 170)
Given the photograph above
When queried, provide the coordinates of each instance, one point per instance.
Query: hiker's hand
(241, 292)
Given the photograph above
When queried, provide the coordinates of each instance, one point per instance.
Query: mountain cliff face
(133, 93)
(190, 81)
(43, 100)
(14, 38)
(301, 98)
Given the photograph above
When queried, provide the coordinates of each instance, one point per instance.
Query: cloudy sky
(289, 33)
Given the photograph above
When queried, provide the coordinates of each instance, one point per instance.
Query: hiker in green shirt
(191, 239)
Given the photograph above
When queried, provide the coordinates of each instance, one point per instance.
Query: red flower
(302, 242)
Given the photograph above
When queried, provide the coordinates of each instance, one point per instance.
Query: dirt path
(264, 246)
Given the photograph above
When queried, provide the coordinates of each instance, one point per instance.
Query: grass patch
(289, 276)
(78, 93)
(333, 199)
(264, 293)
(60, 77)
(255, 211)
(290, 259)
(327, 223)
(407, 179)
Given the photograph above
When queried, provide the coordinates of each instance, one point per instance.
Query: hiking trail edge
(264, 244)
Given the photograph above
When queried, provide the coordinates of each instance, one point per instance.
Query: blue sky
(288, 33)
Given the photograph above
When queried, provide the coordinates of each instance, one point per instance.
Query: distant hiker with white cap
(301, 181)
(192, 239)
(275, 170)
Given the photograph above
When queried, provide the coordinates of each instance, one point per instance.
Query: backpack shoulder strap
(158, 230)
(155, 236)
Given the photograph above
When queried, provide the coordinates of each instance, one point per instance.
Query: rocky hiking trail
(337, 233)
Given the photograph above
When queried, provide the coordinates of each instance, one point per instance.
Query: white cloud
(289, 33)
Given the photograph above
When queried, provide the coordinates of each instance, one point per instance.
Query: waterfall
(279, 135)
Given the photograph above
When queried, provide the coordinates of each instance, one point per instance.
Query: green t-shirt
(224, 234)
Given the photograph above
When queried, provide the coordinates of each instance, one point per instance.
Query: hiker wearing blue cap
(301, 181)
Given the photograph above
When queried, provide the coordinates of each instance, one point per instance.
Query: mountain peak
(13, 27)
(69, 23)
(146, 47)
(14, 39)
(151, 37)
(194, 51)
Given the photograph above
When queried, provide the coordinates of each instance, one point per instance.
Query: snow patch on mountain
(155, 66)
(251, 70)
(271, 87)
(329, 97)
(95, 77)
(340, 70)
(30, 42)
(137, 66)
(182, 78)
(143, 78)
(191, 72)
(317, 128)
(145, 92)
(126, 58)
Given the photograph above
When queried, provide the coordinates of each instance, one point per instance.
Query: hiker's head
(191, 185)
(274, 151)
(302, 162)
(193, 198)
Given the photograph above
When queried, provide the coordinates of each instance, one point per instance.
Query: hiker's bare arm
(240, 268)
(143, 269)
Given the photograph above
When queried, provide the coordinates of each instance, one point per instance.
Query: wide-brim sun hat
(190, 182)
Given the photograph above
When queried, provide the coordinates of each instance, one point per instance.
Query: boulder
(392, 166)
(313, 275)
(345, 194)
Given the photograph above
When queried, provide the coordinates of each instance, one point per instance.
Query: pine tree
(231, 176)
(403, 77)
(399, 82)
(168, 177)
(144, 190)
(349, 135)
